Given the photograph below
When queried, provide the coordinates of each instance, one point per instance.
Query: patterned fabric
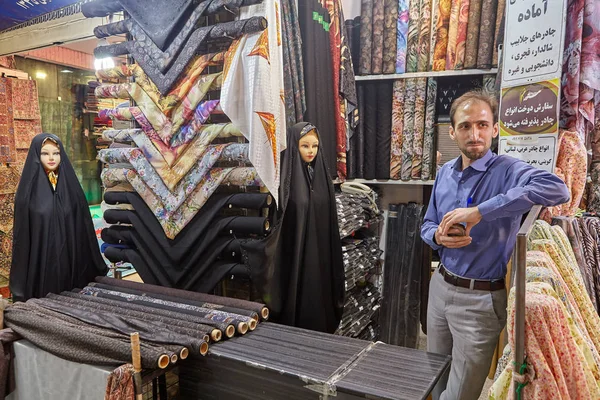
(173, 223)
(571, 167)
(472, 34)
(461, 36)
(390, 34)
(408, 128)
(378, 29)
(580, 65)
(589, 229)
(486, 33)
(120, 384)
(419, 129)
(497, 34)
(412, 39)
(293, 67)
(441, 40)
(251, 93)
(25, 130)
(402, 36)
(25, 99)
(435, 8)
(7, 131)
(424, 40)
(455, 14)
(429, 157)
(397, 128)
(366, 37)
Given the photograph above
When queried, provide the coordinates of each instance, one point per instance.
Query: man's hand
(470, 216)
(454, 239)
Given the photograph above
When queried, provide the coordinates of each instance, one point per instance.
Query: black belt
(473, 284)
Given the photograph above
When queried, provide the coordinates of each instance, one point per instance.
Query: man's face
(474, 128)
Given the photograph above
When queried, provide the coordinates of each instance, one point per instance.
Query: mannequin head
(309, 146)
(50, 155)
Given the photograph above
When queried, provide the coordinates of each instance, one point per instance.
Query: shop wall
(61, 110)
(351, 8)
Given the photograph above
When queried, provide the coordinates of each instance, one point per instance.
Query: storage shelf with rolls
(427, 74)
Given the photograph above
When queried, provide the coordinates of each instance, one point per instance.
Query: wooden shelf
(429, 74)
(388, 182)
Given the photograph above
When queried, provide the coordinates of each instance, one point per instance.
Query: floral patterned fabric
(397, 129)
(486, 33)
(408, 129)
(402, 36)
(435, 9)
(424, 40)
(441, 38)
(590, 233)
(378, 29)
(419, 128)
(366, 37)
(453, 33)
(173, 223)
(390, 34)
(412, 39)
(472, 34)
(120, 384)
(25, 99)
(429, 157)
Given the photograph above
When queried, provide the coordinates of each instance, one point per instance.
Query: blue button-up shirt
(503, 188)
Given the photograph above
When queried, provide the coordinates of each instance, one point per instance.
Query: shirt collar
(479, 165)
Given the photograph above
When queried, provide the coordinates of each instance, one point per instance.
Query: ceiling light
(40, 75)
(66, 71)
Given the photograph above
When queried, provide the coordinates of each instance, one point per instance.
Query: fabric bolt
(409, 129)
(384, 129)
(576, 237)
(487, 30)
(435, 8)
(571, 167)
(390, 34)
(580, 82)
(397, 128)
(378, 35)
(588, 228)
(442, 35)
(293, 67)
(120, 384)
(455, 15)
(366, 37)
(359, 135)
(370, 130)
(165, 81)
(472, 40)
(402, 36)
(424, 40)
(8, 151)
(252, 90)
(429, 151)
(419, 128)
(412, 38)
(498, 35)
(461, 35)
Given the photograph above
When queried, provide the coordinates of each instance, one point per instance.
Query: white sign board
(533, 41)
(536, 150)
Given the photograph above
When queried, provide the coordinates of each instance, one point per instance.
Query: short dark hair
(477, 95)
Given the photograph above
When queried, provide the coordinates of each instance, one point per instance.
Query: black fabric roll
(116, 28)
(117, 301)
(115, 198)
(183, 294)
(389, 300)
(193, 329)
(212, 306)
(117, 234)
(353, 29)
(154, 332)
(370, 131)
(359, 135)
(79, 342)
(384, 129)
(100, 8)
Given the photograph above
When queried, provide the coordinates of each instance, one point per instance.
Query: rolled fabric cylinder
(195, 330)
(259, 308)
(117, 234)
(370, 131)
(253, 201)
(360, 133)
(390, 36)
(366, 37)
(246, 225)
(118, 216)
(441, 39)
(174, 299)
(151, 332)
(378, 26)
(473, 34)
(384, 129)
(498, 35)
(486, 33)
(100, 8)
(239, 321)
(408, 126)
(227, 329)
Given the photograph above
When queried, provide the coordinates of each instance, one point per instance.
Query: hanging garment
(54, 245)
(409, 129)
(165, 81)
(429, 149)
(164, 59)
(390, 33)
(293, 66)
(424, 39)
(252, 93)
(472, 34)
(299, 267)
(487, 30)
(441, 39)
(397, 129)
(402, 31)
(412, 38)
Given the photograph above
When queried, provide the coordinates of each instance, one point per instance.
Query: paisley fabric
(433, 34)
(390, 34)
(424, 40)
(419, 129)
(397, 128)
(429, 157)
(252, 92)
(472, 34)
(366, 37)
(412, 39)
(408, 129)
(486, 33)
(441, 39)
(173, 223)
(378, 32)
(402, 36)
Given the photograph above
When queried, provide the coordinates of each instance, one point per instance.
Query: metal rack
(520, 265)
(427, 74)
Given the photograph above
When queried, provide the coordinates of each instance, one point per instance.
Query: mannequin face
(309, 146)
(50, 156)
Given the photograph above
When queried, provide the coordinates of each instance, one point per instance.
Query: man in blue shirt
(473, 218)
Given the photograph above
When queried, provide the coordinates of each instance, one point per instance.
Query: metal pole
(519, 284)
